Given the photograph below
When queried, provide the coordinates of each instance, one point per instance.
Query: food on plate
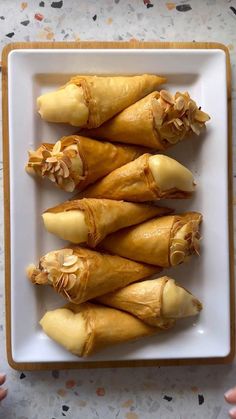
(80, 274)
(147, 178)
(87, 328)
(88, 101)
(165, 241)
(157, 302)
(75, 162)
(90, 220)
(159, 120)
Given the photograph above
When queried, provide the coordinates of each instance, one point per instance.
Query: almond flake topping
(59, 268)
(185, 242)
(176, 116)
(55, 162)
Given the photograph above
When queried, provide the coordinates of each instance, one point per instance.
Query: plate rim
(6, 186)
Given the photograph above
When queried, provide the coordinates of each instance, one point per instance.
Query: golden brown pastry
(157, 302)
(89, 220)
(87, 328)
(75, 162)
(159, 120)
(165, 241)
(88, 101)
(145, 179)
(80, 274)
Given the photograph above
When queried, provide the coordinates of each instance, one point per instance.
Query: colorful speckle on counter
(65, 408)
(70, 384)
(148, 4)
(61, 392)
(188, 392)
(200, 399)
(170, 6)
(25, 22)
(10, 34)
(168, 398)
(131, 415)
(38, 16)
(183, 7)
(24, 5)
(55, 374)
(100, 391)
(233, 9)
(128, 403)
(57, 4)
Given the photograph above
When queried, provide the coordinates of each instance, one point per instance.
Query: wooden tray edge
(121, 45)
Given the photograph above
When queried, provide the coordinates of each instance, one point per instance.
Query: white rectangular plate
(203, 74)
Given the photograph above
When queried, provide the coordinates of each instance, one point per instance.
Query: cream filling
(64, 105)
(169, 174)
(68, 225)
(66, 328)
(177, 302)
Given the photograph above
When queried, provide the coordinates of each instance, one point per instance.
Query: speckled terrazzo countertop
(168, 393)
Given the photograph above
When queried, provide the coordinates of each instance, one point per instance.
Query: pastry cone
(75, 162)
(88, 101)
(165, 241)
(87, 328)
(159, 120)
(145, 179)
(80, 274)
(89, 220)
(157, 302)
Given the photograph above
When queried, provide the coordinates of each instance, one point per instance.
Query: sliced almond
(157, 112)
(186, 122)
(66, 172)
(179, 103)
(42, 278)
(65, 278)
(69, 186)
(51, 177)
(201, 116)
(44, 169)
(66, 252)
(196, 128)
(66, 160)
(71, 282)
(177, 257)
(167, 97)
(70, 269)
(51, 159)
(60, 171)
(57, 148)
(57, 166)
(177, 126)
(191, 110)
(70, 260)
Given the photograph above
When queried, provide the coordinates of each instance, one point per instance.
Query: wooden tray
(105, 45)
